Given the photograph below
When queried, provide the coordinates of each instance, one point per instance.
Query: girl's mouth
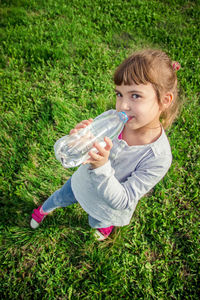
(129, 119)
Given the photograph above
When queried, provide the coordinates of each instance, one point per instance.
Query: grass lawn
(57, 62)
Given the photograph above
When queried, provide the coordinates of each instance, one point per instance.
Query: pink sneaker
(37, 217)
(102, 233)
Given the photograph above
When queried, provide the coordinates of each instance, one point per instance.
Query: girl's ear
(167, 100)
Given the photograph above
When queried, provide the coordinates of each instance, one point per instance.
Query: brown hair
(155, 67)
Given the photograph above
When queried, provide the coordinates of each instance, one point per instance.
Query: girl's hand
(80, 125)
(99, 159)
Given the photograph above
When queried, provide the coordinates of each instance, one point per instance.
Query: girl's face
(140, 103)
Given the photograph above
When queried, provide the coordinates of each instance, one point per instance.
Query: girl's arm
(125, 195)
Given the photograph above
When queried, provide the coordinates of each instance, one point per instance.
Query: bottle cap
(123, 116)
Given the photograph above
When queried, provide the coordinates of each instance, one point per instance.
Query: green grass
(57, 60)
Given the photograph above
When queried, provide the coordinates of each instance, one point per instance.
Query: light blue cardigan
(110, 193)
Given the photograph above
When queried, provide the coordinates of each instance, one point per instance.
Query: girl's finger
(100, 149)
(109, 144)
(88, 161)
(103, 151)
(80, 126)
(95, 156)
(87, 122)
(73, 131)
(83, 124)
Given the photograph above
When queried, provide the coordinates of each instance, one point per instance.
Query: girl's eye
(135, 96)
(118, 94)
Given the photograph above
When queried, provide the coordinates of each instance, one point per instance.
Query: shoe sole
(34, 224)
(99, 237)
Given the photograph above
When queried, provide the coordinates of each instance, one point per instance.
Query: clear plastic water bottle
(72, 150)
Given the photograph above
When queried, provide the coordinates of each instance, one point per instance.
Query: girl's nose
(125, 105)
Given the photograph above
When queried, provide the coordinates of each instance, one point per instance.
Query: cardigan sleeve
(126, 194)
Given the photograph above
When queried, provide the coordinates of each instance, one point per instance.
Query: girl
(110, 183)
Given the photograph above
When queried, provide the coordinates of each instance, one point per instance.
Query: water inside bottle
(71, 159)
